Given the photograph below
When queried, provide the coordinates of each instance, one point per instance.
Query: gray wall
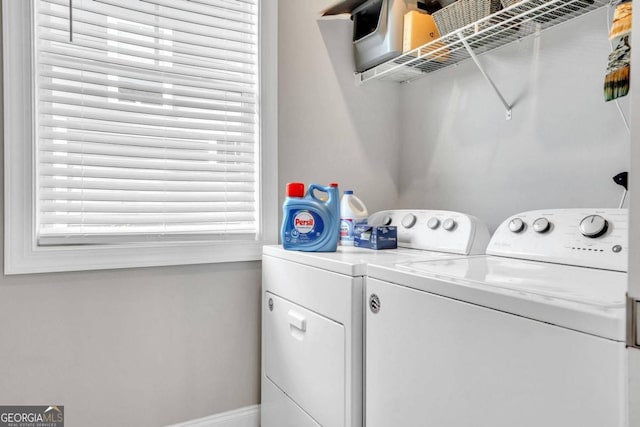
(139, 347)
(330, 129)
(561, 148)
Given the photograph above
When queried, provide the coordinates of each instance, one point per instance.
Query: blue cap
(348, 191)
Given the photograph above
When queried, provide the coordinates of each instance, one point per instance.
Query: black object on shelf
(429, 6)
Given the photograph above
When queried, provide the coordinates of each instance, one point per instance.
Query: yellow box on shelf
(420, 29)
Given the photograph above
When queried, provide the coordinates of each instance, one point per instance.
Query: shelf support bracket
(473, 56)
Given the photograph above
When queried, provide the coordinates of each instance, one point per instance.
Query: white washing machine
(530, 335)
(312, 316)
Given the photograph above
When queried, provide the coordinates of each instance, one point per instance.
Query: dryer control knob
(593, 226)
(409, 220)
(541, 225)
(449, 224)
(386, 220)
(516, 225)
(433, 223)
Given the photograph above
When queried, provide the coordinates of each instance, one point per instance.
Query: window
(138, 132)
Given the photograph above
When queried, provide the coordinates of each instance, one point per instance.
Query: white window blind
(147, 121)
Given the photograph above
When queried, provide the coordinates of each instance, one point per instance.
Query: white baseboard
(244, 417)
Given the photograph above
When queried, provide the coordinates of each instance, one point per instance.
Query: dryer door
(305, 358)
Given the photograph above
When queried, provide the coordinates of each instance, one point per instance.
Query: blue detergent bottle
(311, 223)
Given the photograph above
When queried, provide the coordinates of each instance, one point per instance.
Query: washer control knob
(386, 220)
(409, 220)
(516, 225)
(433, 223)
(541, 225)
(449, 224)
(593, 226)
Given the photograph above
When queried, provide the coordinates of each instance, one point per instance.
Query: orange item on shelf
(420, 29)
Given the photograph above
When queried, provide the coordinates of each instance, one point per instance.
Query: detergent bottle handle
(333, 196)
(311, 192)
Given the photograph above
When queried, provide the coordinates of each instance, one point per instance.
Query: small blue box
(375, 237)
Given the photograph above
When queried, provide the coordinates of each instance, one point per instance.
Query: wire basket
(464, 12)
(550, 10)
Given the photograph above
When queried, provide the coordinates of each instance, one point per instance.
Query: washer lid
(579, 298)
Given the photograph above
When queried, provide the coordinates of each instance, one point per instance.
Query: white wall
(330, 129)
(561, 148)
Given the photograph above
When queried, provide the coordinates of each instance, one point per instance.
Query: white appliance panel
(318, 290)
(596, 288)
(435, 230)
(306, 359)
(350, 260)
(330, 295)
(434, 361)
(583, 299)
(280, 410)
(564, 242)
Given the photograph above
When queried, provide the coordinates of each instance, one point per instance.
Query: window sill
(82, 258)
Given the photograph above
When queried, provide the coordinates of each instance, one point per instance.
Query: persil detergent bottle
(310, 223)
(352, 213)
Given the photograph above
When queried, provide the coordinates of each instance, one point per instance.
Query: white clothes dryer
(530, 335)
(312, 316)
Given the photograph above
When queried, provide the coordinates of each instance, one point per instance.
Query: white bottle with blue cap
(352, 213)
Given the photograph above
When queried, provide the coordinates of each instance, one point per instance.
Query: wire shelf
(503, 27)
